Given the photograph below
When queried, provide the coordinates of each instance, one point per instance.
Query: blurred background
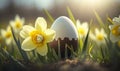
(82, 9)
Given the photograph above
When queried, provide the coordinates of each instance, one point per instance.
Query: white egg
(64, 27)
(66, 33)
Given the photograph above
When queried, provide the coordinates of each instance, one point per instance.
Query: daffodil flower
(99, 36)
(116, 20)
(115, 30)
(17, 24)
(82, 28)
(38, 37)
(7, 35)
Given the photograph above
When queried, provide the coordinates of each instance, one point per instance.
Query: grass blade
(99, 20)
(49, 16)
(59, 51)
(55, 54)
(24, 55)
(66, 51)
(110, 20)
(90, 49)
(13, 59)
(85, 43)
(71, 15)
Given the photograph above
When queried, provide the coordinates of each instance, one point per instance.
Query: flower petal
(12, 23)
(40, 24)
(3, 32)
(23, 34)
(50, 35)
(114, 38)
(42, 50)
(92, 36)
(97, 31)
(28, 45)
(26, 31)
(8, 41)
(17, 18)
(78, 24)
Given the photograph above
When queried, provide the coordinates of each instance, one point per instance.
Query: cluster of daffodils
(38, 37)
(35, 38)
(99, 36)
(115, 30)
(16, 25)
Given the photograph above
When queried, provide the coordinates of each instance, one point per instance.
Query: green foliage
(87, 49)
(49, 16)
(71, 15)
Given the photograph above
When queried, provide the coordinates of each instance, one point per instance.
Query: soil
(65, 65)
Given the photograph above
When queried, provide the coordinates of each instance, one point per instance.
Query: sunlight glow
(94, 3)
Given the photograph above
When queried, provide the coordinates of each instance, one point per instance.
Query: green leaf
(24, 55)
(49, 16)
(42, 59)
(85, 43)
(71, 49)
(66, 51)
(71, 15)
(102, 53)
(81, 45)
(59, 51)
(90, 49)
(13, 59)
(110, 20)
(54, 54)
(100, 20)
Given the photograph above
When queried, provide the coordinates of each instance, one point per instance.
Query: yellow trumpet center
(37, 37)
(8, 34)
(18, 24)
(116, 30)
(82, 31)
(100, 37)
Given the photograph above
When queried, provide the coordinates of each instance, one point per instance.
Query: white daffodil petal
(28, 45)
(50, 35)
(40, 24)
(24, 34)
(12, 23)
(114, 38)
(3, 32)
(96, 31)
(92, 36)
(27, 29)
(17, 18)
(8, 28)
(42, 50)
(85, 25)
(8, 41)
(78, 24)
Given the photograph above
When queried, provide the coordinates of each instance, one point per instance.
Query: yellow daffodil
(99, 36)
(115, 30)
(7, 35)
(17, 24)
(116, 20)
(82, 28)
(38, 37)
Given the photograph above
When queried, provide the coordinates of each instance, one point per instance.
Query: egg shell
(66, 33)
(64, 27)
